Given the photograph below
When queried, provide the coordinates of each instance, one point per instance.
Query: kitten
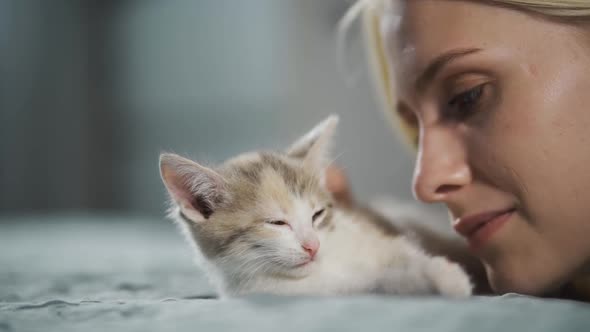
(263, 222)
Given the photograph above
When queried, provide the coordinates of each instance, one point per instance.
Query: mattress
(104, 272)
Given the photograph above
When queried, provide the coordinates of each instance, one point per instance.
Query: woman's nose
(441, 166)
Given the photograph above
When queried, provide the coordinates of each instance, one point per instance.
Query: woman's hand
(337, 184)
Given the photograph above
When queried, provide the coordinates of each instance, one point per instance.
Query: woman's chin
(518, 282)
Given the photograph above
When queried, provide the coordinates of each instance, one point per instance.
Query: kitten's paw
(449, 278)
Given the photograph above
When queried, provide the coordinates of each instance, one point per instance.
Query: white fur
(356, 258)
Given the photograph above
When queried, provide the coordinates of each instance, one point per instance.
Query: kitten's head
(259, 213)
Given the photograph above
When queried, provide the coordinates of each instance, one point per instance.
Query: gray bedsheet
(101, 273)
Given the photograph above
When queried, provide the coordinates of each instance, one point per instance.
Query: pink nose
(311, 248)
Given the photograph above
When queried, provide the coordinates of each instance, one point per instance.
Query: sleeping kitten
(263, 222)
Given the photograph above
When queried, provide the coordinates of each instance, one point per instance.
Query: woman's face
(502, 101)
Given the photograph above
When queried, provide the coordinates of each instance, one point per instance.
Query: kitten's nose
(311, 248)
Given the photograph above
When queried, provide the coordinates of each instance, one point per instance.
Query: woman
(496, 97)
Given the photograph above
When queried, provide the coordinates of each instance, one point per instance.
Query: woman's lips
(479, 228)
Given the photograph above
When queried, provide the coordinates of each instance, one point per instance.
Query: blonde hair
(371, 13)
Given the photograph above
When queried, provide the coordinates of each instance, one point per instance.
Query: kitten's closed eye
(277, 222)
(317, 215)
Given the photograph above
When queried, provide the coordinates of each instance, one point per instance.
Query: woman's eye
(317, 215)
(277, 222)
(465, 103)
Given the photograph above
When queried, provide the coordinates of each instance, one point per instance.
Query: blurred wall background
(92, 90)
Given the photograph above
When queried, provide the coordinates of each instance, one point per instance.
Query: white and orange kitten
(264, 222)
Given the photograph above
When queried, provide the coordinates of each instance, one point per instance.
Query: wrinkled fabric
(93, 273)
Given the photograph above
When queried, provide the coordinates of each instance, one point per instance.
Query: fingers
(337, 185)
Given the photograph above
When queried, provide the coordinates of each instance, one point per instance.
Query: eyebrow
(435, 66)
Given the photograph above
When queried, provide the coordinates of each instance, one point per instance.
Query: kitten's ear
(196, 189)
(314, 147)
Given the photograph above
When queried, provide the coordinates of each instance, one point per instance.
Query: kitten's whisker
(330, 163)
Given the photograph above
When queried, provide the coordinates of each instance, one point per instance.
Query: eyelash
(465, 104)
